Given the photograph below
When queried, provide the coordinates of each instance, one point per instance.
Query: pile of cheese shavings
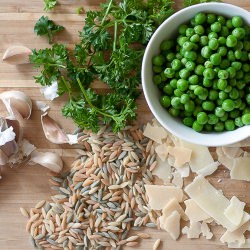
(199, 204)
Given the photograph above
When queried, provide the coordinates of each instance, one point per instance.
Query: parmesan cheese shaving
(194, 212)
(194, 231)
(232, 152)
(162, 151)
(208, 170)
(155, 133)
(171, 206)
(200, 156)
(184, 171)
(162, 170)
(206, 231)
(212, 202)
(245, 245)
(241, 169)
(223, 159)
(234, 212)
(159, 196)
(182, 155)
(177, 179)
(172, 225)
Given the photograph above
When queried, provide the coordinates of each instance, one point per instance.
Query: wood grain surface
(24, 186)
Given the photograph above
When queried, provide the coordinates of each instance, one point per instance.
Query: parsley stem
(107, 12)
(67, 87)
(115, 36)
(89, 102)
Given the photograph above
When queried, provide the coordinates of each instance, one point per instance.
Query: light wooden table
(26, 185)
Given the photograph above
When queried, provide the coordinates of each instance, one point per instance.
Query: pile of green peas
(204, 74)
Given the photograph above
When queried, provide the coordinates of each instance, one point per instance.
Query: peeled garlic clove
(17, 55)
(8, 144)
(17, 103)
(48, 160)
(52, 131)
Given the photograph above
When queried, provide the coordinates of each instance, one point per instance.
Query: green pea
(185, 98)
(209, 73)
(238, 122)
(216, 27)
(207, 83)
(193, 79)
(202, 118)
(187, 46)
(238, 103)
(211, 18)
(190, 55)
(229, 125)
(199, 69)
(190, 32)
(219, 112)
(195, 38)
(246, 111)
(213, 95)
(219, 127)
(224, 31)
(197, 126)
(234, 113)
(184, 73)
(169, 73)
(182, 29)
(200, 59)
(239, 75)
(173, 83)
(232, 82)
(246, 46)
(238, 54)
(222, 50)
(176, 102)
(246, 67)
(189, 106)
(223, 95)
(224, 117)
(231, 72)
(248, 99)
(206, 52)
(199, 30)
(208, 105)
(229, 24)
(231, 41)
(188, 121)
(228, 105)
(222, 40)
(208, 64)
(237, 21)
(221, 19)
(168, 89)
(236, 65)
(228, 88)
(190, 65)
(158, 60)
(184, 61)
(157, 69)
(170, 56)
(165, 101)
(223, 74)
(244, 56)
(200, 18)
(174, 112)
(176, 64)
(178, 93)
(246, 119)
(204, 40)
(234, 94)
(157, 79)
(239, 45)
(212, 119)
(239, 33)
(181, 40)
(224, 64)
(182, 84)
(198, 90)
(208, 127)
(212, 35)
(167, 44)
(215, 59)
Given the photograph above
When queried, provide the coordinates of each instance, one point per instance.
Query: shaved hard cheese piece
(223, 159)
(162, 170)
(177, 179)
(50, 92)
(182, 155)
(208, 170)
(241, 169)
(159, 196)
(155, 133)
(162, 151)
(245, 245)
(194, 212)
(184, 170)
(232, 152)
(194, 231)
(234, 212)
(206, 231)
(171, 206)
(200, 156)
(236, 236)
(172, 225)
(212, 202)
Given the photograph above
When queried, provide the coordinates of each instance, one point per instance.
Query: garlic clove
(48, 160)
(17, 103)
(18, 130)
(52, 131)
(26, 147)
(17, 55)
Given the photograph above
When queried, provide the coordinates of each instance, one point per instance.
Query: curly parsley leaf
(193, 2)
(49, 4)
(46, 27)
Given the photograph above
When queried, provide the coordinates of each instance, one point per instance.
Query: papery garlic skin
(17, 103)
(50, 92)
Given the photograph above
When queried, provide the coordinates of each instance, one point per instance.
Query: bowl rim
(223, 140)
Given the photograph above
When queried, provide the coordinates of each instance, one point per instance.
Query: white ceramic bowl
(168, 30)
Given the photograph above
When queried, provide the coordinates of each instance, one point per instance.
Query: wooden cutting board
(24, 186)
